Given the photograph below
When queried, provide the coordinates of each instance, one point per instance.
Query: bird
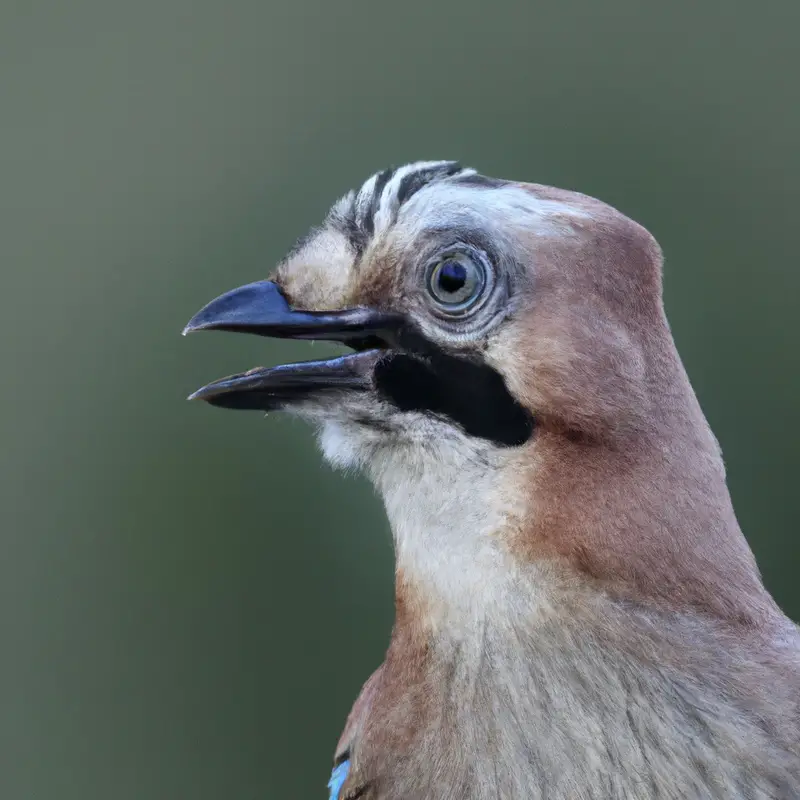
(577, 611)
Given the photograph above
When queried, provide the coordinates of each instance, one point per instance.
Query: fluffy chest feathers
(588, 708)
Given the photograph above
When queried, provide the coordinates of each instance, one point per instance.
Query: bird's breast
(568, 712)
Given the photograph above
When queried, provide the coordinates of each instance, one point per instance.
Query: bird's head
(514, 391)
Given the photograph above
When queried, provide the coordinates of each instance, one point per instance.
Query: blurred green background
(190, 599)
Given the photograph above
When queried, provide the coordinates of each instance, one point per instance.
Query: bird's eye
(456, 282)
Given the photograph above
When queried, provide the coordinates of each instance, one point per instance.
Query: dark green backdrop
(190, 600)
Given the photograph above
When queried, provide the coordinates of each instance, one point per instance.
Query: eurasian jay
(578, 614)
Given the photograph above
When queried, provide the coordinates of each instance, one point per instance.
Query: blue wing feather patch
(338, 777)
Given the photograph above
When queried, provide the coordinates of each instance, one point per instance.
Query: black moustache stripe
(469, 394)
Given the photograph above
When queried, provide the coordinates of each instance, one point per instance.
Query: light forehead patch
(509, 206)
(319, 274)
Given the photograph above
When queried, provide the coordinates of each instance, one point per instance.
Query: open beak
(393, 359)
(260, 308)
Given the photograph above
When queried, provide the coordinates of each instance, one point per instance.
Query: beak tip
(193, 325)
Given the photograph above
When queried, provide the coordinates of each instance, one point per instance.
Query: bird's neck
(453, 506)
(481, 530)
(646, 516)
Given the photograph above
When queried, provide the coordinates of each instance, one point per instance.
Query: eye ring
(455, 282)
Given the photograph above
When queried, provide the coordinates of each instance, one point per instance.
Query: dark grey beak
(260, 308)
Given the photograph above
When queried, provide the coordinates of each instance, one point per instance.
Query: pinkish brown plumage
(578, 614)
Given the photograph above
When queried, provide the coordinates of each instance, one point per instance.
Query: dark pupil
(452, 277)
